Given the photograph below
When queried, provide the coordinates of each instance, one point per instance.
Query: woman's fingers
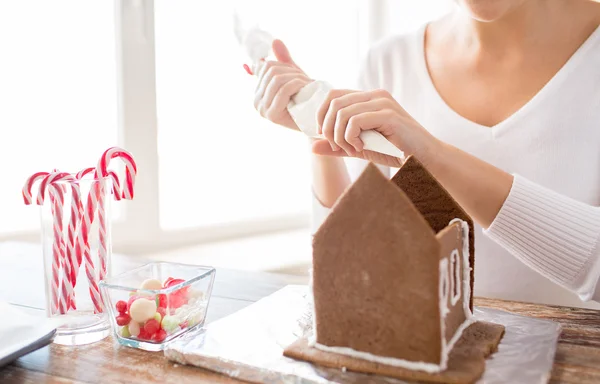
(322, 148)
(330, 128)
(275, 85)
(270, 69)
(339, 124)
(282, 97)
(322, 111)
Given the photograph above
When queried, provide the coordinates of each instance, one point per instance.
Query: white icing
(469, 319)
(455, 281)
(255, 41)
(444, 287)
(392, 361)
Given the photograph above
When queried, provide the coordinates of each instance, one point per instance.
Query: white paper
(19, 330)
(304, 105)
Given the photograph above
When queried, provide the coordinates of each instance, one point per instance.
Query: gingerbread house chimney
(391, 271)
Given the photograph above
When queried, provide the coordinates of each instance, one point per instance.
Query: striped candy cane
(31, 180)
(130, 168)
(62, 288)
(101, 215)
(102, 172)
(83, 246)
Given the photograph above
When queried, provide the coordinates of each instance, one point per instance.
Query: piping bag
(304, 105)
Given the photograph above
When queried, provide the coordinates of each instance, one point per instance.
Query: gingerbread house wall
(435, 204)
(452, 271)
(375, 276)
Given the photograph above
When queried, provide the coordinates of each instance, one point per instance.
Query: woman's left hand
(345, 114)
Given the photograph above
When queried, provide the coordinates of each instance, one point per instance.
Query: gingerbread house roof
(434, 203)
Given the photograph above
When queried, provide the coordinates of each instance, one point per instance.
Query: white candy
(183, 310)
(196, 293)
(142, 310)
(134, 328)
(152, 284)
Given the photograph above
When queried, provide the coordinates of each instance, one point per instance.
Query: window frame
(138, 230)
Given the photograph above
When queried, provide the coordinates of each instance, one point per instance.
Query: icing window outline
(454, 277)
(444, 285)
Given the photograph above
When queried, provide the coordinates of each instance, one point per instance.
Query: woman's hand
(278, 81)
(345, 114)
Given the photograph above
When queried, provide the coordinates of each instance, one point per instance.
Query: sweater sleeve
(552, 234)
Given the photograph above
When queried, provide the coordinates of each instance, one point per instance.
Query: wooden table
(577, 359)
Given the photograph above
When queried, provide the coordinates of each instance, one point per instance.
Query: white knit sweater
(543, 245)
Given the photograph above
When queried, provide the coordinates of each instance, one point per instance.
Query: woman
(500, 100)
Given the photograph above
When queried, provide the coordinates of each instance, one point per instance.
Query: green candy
(170, 323)
(125, 332)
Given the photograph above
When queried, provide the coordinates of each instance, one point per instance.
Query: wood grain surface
(577, 360)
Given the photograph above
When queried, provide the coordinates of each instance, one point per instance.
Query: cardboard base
(465, 365)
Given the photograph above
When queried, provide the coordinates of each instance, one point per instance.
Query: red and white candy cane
(101, 214)
(28, 199)
(128, 189)
(116, 185)
(31, 180)
(83, 246)
(62, 287)
(130, 168)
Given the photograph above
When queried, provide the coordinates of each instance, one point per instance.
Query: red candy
(123, 319)
(184, 324)
(121, 306)
(162, 311)
(144, 335)
(159, 336)
(171, 282)
(162, 301)
(176, 300)
(151, 326)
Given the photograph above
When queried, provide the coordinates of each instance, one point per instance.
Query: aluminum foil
(249, 345)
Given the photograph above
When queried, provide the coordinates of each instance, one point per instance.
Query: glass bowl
(151, 305)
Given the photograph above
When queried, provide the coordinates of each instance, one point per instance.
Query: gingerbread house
(392, 271)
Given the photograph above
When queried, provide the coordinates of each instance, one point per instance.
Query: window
(444, 283)
(219, 161)
(163, 79)
(57, 94)
(455, 280)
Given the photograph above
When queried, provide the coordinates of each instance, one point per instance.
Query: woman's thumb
(281, 52)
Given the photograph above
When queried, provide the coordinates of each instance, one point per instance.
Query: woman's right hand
(278, 81)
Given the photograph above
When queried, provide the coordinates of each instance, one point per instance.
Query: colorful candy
(123, 319)
(142, 309)
(134, 329)
(151, 284)
(125, 331)
(153, 318)
(152, 326)
(159, 336)
(170, 323)
(121, 306)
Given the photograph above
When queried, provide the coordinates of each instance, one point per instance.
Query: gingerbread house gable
(435, 203)
(387, 287)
